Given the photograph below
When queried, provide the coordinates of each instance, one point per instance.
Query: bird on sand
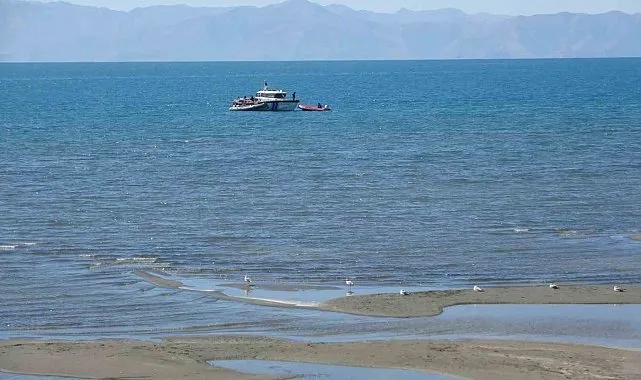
(478, 288)
(554, 286)
(404, 292)
(618, 289)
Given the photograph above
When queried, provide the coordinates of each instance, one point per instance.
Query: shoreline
(432, 303)
(189, 357)
(481, 359)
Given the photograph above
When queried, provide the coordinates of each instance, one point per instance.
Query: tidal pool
(324, 371)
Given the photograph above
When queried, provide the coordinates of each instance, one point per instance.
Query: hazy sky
(512, 7)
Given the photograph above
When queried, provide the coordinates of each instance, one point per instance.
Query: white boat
(266, 99)
(242, 105)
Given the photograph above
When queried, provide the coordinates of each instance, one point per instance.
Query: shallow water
(16, 376)
(308, 371)
(608, 325)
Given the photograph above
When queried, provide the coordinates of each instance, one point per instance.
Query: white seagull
(248, 280)
(478, 289)
(404, 292)
(618, 289)
(554, 286)
(349, 284)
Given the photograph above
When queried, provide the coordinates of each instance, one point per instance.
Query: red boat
(318, 107)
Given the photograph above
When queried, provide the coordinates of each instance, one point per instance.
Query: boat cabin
(272, 94)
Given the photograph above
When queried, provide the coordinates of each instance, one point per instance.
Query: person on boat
(294, 95)
(320, 105)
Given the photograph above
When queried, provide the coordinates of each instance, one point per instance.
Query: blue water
(426, 174)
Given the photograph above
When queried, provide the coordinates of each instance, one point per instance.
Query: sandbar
(431, 303)
(188, 357)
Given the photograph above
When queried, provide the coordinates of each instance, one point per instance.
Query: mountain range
(302, 30)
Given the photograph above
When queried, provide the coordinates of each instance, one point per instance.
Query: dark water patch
(224, 239)
(60, 223)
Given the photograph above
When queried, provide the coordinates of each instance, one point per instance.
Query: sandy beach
(433, 302)
(188, 358)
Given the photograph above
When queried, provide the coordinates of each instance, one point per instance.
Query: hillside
(301, 30)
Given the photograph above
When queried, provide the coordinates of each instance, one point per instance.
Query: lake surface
(430, 174)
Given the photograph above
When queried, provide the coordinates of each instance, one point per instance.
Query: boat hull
(281, 105)
(252, 107)
(274, 106)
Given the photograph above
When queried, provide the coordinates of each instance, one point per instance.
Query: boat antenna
(265, 86)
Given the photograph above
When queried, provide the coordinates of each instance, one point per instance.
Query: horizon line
(333, 60)
(128, 10)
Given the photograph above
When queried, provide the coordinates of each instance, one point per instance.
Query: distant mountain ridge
(302, 30)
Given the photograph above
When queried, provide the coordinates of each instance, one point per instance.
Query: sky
(509, 7)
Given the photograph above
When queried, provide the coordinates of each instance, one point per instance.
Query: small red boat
(318, 107)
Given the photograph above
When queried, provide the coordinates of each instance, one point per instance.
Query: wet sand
(188, 357)
(432, 303)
